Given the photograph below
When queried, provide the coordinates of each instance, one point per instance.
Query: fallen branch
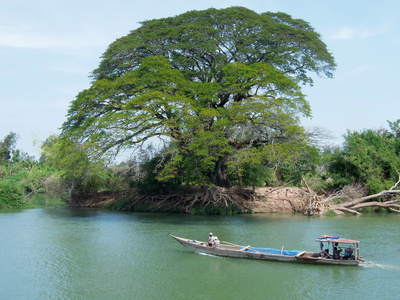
(338, 212)
(352, 211)
(362, 202)
(375, 203)
(363, 199)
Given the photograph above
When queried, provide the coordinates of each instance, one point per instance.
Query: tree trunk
(219, 177)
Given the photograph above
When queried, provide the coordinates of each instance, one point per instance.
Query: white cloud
(27, 37)
(344, 33)
(360, 69)
(348, 33)
(377, 31)
(26, 40)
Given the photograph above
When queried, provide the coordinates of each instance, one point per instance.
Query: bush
(11, 194)
(369, 157)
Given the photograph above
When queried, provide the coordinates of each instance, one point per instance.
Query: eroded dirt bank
(260, 200)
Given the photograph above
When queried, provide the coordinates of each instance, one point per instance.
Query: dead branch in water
(389, 199)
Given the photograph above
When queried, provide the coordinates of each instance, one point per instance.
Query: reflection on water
(44, 201)
(63, 253)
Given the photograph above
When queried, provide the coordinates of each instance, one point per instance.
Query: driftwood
(389, 199)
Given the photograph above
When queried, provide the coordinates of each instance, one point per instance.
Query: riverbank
(263, 200)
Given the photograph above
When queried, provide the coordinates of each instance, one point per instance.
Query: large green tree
(221, 87)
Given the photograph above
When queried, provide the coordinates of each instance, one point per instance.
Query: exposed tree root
(214, 198)
(389, 199)
(245, 200)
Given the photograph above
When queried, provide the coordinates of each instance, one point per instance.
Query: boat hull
(252, 253)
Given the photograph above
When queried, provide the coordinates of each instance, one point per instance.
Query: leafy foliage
(368, 157)
(304, 164)
(80, 175)
(20, 175)
(11, 194)
(146, 177)
(219, 87)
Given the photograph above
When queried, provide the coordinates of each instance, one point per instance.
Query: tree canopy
(221, 87)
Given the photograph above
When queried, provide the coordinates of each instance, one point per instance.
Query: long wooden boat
(350, 257)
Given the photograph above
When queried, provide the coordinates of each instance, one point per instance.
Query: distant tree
(395, 128)
(221, 87)
(6, 147)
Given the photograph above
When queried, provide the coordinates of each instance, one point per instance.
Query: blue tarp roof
(272, 251)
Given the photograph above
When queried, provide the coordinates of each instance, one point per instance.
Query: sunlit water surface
(64, 253)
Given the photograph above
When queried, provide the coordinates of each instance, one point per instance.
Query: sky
(48, 48)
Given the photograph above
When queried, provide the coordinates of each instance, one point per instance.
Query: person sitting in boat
(336, 252)
(213, 240)
(210, 240)
(348, 253)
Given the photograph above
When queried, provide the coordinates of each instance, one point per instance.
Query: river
(65, 253)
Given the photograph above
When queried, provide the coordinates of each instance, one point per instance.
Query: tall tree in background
(220, 87)
(6, 147)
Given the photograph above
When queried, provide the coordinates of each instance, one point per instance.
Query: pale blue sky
(49, 47)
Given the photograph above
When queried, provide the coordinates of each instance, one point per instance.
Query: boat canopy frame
(333, 240)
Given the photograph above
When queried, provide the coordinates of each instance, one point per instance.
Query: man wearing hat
(210, 240)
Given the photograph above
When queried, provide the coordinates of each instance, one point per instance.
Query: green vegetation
(72, 176)
(370, 157)
(21, 175)
(219, 93)
(81, 176)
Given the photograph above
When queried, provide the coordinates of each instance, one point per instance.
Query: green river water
(64, 253)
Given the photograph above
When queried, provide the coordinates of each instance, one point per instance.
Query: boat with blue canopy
(347, 251)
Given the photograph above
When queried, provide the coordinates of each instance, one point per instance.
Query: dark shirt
(336, 253)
